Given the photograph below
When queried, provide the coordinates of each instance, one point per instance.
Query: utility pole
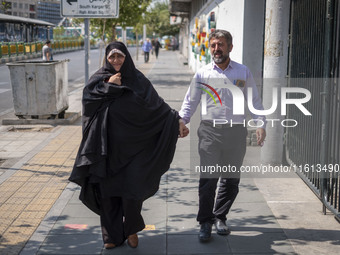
(87, 48)
(124, 36)
(137, 46)
(144, 33)
(275, 74)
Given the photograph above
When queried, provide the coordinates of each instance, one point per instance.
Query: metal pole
(102, 45)
(325, 102)
(137, 46)
(87, 48)
(274, 74)
(124, 36)
(144, 33)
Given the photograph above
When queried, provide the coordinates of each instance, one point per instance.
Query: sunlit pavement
(40, 212)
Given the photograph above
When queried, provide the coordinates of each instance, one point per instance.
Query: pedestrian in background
(146, 49)
(152, 45)
(129, 140)
(173, 43)
(157, 46)
(47, 54)
(220, 144)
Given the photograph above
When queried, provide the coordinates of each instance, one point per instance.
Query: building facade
(49, 10)
(46, 10)
(22, 8)
(244, 19)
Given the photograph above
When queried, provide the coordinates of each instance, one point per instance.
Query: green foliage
(158, 20)
(135, 13)
(4, 6)
(58, 32)
(130, 14)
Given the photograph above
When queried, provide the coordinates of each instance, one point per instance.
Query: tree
(130, 13)
(158, 20)
(4, 6)
(58, 32)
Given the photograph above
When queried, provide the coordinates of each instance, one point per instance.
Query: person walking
(157, 46)
(221, 144)
(47, 54)
(129, 140)
(146, 49)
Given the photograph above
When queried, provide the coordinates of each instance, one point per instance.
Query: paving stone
(72, 244)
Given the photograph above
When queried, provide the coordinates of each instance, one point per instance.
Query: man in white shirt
(47, 51)
(222, 132)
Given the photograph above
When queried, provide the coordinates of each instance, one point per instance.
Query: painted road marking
(4, 90)
(76, 226)
(149, 227)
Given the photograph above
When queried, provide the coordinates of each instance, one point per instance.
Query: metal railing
(8, 49)
(314, 64)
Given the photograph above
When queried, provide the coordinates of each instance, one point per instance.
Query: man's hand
(260, 135)
(48, 55)
(116, 79)
(183, 130)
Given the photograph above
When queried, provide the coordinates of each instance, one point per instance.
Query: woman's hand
(183, 130)
(116, 79)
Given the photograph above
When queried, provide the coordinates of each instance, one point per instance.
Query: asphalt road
(76, 74)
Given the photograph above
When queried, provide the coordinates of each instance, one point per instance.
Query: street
(76, 70)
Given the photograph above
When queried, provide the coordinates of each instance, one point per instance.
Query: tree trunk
(114, 34)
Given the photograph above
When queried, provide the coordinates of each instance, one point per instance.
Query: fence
(8, 49)
(314, 64)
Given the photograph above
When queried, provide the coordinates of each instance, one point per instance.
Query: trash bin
(40, 88)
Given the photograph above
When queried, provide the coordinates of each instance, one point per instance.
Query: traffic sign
(90, 8)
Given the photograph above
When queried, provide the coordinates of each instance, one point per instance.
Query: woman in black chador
(129, 139)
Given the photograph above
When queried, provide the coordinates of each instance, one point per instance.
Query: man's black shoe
(205, 232)
(221, 227)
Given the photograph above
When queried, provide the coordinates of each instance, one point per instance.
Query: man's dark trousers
(222, 146)
(146, 56)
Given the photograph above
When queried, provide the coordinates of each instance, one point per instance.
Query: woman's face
(116, 60)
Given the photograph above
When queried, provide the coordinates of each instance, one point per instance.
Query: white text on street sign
(90, 8)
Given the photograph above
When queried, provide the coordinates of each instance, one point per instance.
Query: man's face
(220, 49)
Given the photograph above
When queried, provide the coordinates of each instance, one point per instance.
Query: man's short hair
(219, 33)
(47, 42)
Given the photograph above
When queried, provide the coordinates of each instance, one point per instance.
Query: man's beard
(221, 59)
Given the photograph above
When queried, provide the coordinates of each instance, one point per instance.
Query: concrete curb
(72, 117)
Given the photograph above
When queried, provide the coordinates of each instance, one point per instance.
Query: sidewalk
(40, 212)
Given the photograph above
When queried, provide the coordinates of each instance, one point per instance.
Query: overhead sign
(90, 8)
(175, 20)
